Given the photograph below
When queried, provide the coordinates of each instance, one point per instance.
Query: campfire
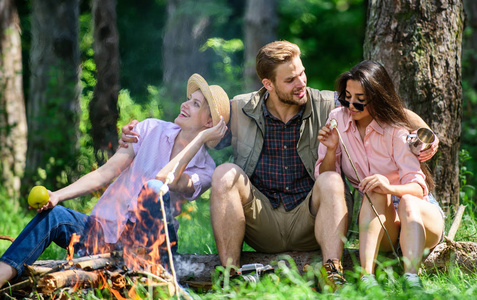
(110, 271)
(141, 263)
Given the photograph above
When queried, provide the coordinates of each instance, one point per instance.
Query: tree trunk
(419, 43)
(13, 126)
(260, 28)
(103, 108)
(471, 41)
(53, 108)
(185, 32)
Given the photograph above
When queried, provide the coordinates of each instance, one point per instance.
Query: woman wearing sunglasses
(374, 126)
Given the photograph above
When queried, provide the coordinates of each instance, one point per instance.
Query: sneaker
(411, 282)
(332, 275)
(368, 282)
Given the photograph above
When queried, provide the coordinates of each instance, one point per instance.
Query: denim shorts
(432, 200)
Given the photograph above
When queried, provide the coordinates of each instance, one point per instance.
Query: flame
(71, 249)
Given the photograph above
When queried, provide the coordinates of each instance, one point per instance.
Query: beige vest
(247, 126)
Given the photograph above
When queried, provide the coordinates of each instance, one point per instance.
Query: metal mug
(421, 140)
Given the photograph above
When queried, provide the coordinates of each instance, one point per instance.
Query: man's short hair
(273, 54)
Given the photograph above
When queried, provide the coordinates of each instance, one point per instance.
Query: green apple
(38, 197)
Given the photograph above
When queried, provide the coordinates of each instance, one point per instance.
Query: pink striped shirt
(153, 151)
(384, 151)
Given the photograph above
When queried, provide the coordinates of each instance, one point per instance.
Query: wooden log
(450, 254)
(53, 281)
(94, 264)
(200, 268)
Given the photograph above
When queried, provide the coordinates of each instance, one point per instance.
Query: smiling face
(195, 113)
(289, 85)
(355, 94)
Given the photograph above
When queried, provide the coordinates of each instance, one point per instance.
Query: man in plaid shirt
(269, 196)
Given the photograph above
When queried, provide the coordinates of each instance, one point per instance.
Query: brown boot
(332, 275)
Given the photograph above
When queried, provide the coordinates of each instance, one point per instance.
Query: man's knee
(329, 185)
(226, 177)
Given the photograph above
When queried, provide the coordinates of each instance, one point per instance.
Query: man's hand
(127, 135)
(429, 152)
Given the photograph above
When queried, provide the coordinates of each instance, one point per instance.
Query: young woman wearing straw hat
(162, 148)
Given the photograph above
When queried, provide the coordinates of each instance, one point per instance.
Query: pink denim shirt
(384, 151)
(153, 151)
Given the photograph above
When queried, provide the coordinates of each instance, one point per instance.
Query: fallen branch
(456, 223)
(6, 238)
(17, 286)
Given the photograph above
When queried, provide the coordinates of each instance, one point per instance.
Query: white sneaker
(411, 281)
(368, 282)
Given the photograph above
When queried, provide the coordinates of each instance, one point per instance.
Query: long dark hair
(384, 103)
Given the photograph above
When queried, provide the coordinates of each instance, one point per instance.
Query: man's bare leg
(328, 204)
(7, 272)
(230, 190)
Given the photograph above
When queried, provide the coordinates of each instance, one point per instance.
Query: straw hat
(216, 97)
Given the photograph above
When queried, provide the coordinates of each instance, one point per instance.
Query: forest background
(89, 67)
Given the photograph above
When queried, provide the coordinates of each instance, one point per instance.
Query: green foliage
(330, 34)
(141, 30)
(227, 69)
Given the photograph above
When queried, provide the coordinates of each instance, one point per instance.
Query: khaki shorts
(272, 230)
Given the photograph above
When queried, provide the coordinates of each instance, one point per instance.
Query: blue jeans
(58, 225)
(55, 225)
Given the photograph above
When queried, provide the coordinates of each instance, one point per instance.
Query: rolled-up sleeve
(200, 175)
(408, 164)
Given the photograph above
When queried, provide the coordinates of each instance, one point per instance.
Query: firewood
(37, 270)
(93, 264)
(118, 281)
(53, 281)
(14, 287)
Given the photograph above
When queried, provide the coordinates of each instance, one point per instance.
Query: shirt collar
(350, 124)
(267, 113)
(171, 133)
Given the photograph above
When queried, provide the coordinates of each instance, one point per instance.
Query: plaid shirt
(280, 174)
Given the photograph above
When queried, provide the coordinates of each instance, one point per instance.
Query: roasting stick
(162, 191)
(334, 124)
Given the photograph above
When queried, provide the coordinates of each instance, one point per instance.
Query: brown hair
(273, 54)
(384, 103)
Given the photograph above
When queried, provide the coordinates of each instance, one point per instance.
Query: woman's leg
(371, 234)
(421, 227)
(55, 225)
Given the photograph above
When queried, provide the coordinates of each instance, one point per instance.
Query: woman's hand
(376, 183)
(52, 202)
(216, 132)
(127, 135)
(328, 137)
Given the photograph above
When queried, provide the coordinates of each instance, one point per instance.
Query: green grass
(195, 236)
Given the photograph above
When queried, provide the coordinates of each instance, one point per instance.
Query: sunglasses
(357, 105)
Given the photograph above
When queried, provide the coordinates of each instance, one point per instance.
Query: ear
(210, 123)
(267, 83)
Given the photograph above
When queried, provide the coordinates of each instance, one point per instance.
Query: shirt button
(287, 188)
(286, 168)
(285, 146)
